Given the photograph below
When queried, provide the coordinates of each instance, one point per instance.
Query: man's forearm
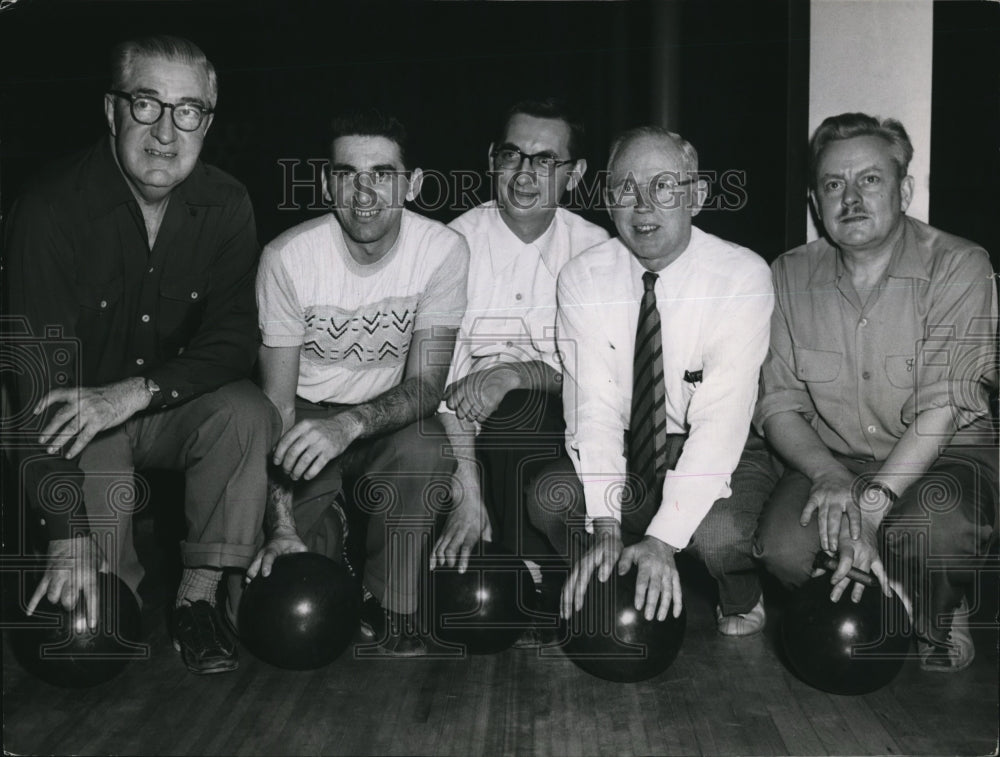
(536, 374)
(799, 444)
(414, 398)
(917, 450)
(278, 516)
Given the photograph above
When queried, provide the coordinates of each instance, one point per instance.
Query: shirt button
(174, 394)
(139, 361)
(150, 269)
(517, 296)
(863, 322)
(872, 429)
(145, 319)
(866, 375)
(194, 295)
(41, 521)
(104, 304)
(510, 344)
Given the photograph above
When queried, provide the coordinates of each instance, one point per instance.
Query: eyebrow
(156, 93)
(867, 169)
(512, 146)
(383, 167)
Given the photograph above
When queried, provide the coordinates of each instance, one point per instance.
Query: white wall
(874, 56)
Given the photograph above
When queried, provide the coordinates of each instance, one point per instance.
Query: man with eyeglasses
(358, 311)
(662, 331)
(505, 378)
(141, 260)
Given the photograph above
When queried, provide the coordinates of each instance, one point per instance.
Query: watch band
(876, 486)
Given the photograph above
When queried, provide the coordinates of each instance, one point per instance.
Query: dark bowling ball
(843, 647)
(610, 639)
(486, 608)
(301, 616)
(60, 648)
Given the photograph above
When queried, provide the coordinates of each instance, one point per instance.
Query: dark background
(449, 69)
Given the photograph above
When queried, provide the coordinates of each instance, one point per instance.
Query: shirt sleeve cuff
(781, 401)
(281, 340)
(686, 502)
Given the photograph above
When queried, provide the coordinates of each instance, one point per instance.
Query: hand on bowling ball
(603, 555)
(73, 565)
(831, 498)
(468, 521)
(280, 543)
(860, 554)
(657, 579)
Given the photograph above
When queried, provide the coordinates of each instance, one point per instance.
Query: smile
(360, 213)
(645, 228)
(158, 154)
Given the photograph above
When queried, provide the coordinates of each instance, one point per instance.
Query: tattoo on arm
(278, 510)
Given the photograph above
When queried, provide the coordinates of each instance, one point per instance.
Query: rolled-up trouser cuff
(217, 555)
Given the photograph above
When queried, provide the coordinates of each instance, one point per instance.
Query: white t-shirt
(354, 323)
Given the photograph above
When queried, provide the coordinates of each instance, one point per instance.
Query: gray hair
(622, 141)
(849, 125)
(170, 48)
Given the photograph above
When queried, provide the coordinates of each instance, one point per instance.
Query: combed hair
(549, 107)
(370, 122)
(655, 132)
(848, 125)
(175, 49)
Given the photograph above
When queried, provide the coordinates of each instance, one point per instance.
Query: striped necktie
(647, 448)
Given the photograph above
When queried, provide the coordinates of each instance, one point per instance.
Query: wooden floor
(721, 697)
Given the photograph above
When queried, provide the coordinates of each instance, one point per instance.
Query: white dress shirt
(511, 311)
(715, 303)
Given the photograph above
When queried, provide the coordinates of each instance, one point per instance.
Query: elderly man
(662, 333)
(145, 259)
(359, 310)
(874, 391)
(505, 377)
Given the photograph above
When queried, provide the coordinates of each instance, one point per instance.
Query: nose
(164, 129)
(851, 195)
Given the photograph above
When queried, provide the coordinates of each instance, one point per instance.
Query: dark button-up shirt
(90, 303)
(861, 370)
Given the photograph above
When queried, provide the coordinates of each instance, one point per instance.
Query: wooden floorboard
(720, 697)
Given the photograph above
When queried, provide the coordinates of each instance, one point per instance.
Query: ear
(489, 159)
(905, 192)
(109, 113)
(416, 179)
(327, 195)
(699, 196)
(576, 174)
(208, 122)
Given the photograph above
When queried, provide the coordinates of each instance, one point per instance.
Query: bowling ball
(301, 616)
(610, 639)
(59, 647)
(488, 606)
(842, 647)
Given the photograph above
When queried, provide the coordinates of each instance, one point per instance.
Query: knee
(788, 560)
(553, 497)
(719, 539)
(251, 417)
(526, 411)
(420, 448)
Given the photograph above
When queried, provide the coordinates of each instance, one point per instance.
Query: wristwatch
(875, 486)
(154, 390)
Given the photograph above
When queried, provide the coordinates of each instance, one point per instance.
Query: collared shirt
(353, 323)
(511, 315)
(861, 367)
(715, 304)
(81, 276)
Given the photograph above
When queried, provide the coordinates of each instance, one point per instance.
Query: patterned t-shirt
(353, 323)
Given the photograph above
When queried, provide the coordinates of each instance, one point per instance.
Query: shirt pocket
(817, 366)
(100, 300)
(899, 370)
(181, 306)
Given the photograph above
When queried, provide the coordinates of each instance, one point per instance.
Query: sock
(198, 583)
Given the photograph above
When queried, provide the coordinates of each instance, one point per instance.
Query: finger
(37, 596)
(56, 587)
(833, 517)
(857, 591)
(487, 532)
(839, 588)
(56, 395)
(463, 557)
(267, 562)
(306, 457)
(292, 436)
(844, 564)
(626, 560)
(254, 568)
(605, 565)
(583, 580)
(642, 585)
(58, 428)
(854, 521)
(567, 593)
(658, 598)
(317, 465)
(678, 602)
(70, 595)
(878, 570)
(90, 599)
(811, 506)
(83, 438)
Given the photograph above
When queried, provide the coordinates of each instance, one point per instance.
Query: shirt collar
(544, 245)
(907, 261)
(106, 188)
